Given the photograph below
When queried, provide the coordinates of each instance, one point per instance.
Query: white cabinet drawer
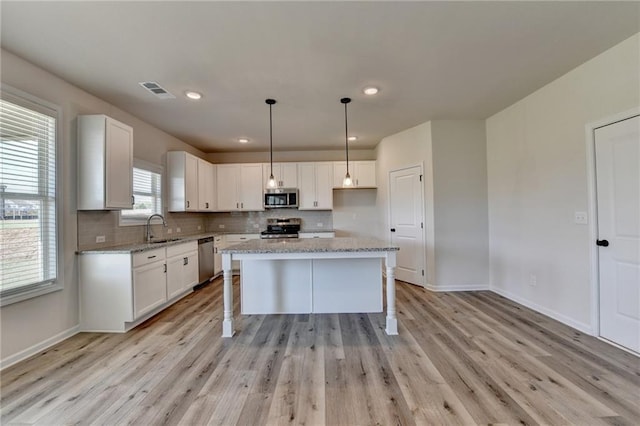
(148, 256)
(182, 248)
(316, 234)
(239, 238)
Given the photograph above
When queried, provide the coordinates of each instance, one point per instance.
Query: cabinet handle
(151, 257)
(187, 203)
(206, 205)
(165, 268)
(237, 205)
(133, 200)
(242, 205)
(185, 261)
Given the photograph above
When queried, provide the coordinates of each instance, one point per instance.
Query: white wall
(411, 147)
(537, 179)
(460, 204)
(27, 325)
(355, 213)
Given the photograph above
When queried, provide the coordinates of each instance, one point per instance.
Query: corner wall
(537, 180)
(31, 325)
(460, 204)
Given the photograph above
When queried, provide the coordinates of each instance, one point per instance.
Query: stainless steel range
(282, 228)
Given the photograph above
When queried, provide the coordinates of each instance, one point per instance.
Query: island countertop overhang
(310, 245)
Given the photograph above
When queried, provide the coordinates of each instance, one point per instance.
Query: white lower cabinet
(149, 288)
(120, 290)
(182, 268)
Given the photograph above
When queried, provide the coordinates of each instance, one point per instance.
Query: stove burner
(281, 228)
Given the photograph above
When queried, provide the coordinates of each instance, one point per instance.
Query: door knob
(393, 229)
(603, 243)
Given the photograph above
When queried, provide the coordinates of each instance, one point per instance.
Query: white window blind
(147, 193)
(28, 240)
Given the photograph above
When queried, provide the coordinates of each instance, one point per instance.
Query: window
(147, 193)
(28, 222)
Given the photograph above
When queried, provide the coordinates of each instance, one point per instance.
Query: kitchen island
(332, 275)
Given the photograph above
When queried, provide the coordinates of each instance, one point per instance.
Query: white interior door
(406, 217)
(617, 148)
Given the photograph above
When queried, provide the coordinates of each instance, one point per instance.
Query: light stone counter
(321, 275)
(309, 245)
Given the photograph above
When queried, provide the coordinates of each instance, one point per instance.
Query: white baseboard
(585, 328)
(26, 353)
(477, 287)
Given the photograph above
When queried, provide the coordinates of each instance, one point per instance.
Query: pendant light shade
(347, 182)
(272, 180)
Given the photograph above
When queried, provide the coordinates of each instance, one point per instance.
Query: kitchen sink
(166, 240)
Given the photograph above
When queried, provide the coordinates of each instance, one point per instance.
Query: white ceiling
(431, 60)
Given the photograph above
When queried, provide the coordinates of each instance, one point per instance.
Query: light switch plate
(580, 218)
(100, 239)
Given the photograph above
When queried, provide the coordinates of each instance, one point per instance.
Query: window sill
(36, 292)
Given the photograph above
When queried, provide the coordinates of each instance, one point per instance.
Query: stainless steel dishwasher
(205, 259)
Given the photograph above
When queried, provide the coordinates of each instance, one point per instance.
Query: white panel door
(617, 148)
(406, 220)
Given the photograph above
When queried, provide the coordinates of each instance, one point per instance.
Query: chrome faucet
(149, 236)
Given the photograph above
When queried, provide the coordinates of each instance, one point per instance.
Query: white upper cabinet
(239, 187)
(315, 184)
(363, 173)
(286, 174)
(207, 201)
(192, 183)
(182, 179)
(105, 163)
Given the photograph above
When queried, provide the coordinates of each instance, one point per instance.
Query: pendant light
(272, 180)
(347, 182)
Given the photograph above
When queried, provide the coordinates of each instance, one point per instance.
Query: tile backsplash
(93, 224)
(254, 222)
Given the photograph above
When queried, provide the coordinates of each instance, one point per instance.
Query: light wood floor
(460, 358)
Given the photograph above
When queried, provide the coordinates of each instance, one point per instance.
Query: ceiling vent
(157, 90)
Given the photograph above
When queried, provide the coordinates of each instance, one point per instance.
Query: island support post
(227, 322)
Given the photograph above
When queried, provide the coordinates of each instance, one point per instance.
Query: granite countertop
(140, 247)
(310, 245)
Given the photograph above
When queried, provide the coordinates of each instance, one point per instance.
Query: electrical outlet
(199, 227)
(319, 224)
(100, 239)
(169, 230)
(221, 226)
(178, 229)
(533, 280)
(256, 226)
(580, 218)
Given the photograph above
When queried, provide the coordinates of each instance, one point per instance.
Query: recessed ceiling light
(243, 140)
(353, 138)
(193, 95)
(370, 90)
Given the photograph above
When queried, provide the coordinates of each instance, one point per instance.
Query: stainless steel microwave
(279, 198)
